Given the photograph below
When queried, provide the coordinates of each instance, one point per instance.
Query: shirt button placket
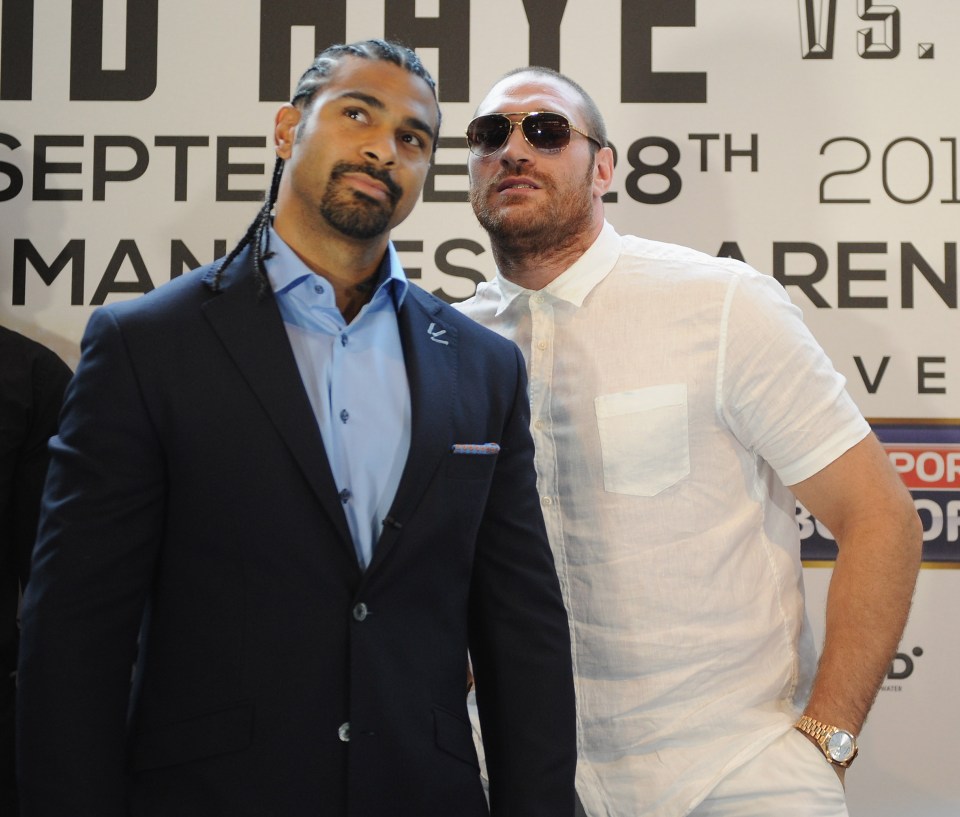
(541, 360)
(542, 343)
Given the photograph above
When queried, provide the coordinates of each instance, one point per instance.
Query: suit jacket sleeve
(520, 641)
(99, 534)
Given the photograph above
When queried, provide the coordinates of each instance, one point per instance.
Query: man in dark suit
(32, 382)
(293, 490)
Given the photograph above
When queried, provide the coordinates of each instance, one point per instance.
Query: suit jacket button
(344, 732)
(360, 611)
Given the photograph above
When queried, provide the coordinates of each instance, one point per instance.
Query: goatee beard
(353, 213)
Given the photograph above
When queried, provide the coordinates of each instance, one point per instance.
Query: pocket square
(475, 448)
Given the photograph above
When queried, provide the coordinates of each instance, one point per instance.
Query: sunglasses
(544, 130)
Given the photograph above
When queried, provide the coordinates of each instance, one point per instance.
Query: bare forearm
(863, 502)
(867, 607)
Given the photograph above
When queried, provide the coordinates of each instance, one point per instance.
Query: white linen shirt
(673, 397)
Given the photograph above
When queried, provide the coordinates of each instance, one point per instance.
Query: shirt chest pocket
(644, 440)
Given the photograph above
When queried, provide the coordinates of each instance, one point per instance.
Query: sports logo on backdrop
(926, 454)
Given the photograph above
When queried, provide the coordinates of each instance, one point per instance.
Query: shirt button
(345, 496)
(343, 339)
(538, 424)
(542, 345)
(360, 611)
(318, 288)
(547, 500)
(344, 415)
(344, 732)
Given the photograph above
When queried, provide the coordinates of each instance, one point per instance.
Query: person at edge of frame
(32, 381)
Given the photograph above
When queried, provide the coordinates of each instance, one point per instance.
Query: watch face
(840, 745)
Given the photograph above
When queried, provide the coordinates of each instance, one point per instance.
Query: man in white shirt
(674, 397)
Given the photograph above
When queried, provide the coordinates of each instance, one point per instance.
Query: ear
(602, 172)
(285, 130)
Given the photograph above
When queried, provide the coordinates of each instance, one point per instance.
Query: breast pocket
(644, 439)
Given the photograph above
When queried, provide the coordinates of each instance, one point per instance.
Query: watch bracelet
(816, 729)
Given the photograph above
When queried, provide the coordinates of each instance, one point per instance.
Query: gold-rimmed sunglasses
(544, 130)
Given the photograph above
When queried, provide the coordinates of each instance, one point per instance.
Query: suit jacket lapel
(250, 327)
(430, 352)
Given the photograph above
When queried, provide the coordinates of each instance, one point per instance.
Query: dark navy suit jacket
(192, 529)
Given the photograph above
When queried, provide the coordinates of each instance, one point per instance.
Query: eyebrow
(376, 102)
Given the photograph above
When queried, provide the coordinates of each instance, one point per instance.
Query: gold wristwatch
(838, 745)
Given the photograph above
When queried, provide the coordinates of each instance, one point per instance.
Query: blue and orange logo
(926, 454)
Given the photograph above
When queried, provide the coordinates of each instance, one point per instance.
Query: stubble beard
(557, 225)
(352, 213)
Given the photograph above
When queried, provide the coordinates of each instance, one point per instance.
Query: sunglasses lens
(547, 131)
(486, 134)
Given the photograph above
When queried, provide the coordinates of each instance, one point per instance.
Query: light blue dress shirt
(355, 377)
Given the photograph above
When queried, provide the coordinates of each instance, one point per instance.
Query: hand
(841, 771)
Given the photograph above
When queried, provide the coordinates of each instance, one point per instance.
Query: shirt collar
(577, 281)
(286, 270)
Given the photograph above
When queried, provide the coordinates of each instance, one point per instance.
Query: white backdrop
(816, 139)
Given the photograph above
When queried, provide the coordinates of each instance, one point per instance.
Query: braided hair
(257, 236)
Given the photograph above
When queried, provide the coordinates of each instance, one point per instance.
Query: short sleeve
(777, 389)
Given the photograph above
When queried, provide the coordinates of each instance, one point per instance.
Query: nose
(380, 148)
(516, 149)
